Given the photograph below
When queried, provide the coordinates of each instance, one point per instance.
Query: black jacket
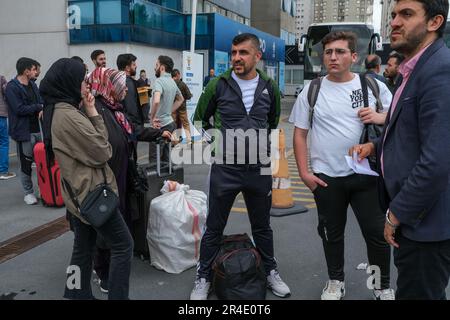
(20, 109)
(135, 114)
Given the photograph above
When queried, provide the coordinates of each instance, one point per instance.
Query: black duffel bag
(238, 270)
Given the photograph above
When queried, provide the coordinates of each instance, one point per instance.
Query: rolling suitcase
(156, 175)
(48, 178)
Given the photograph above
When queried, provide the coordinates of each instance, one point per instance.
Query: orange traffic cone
(282, 199)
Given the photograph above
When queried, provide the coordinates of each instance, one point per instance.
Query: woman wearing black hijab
(80, 145)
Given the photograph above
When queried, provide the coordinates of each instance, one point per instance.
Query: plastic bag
(175, 225)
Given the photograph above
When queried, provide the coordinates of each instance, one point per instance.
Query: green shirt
(168, 88)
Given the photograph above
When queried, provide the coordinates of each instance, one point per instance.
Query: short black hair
(24, 64)
(432, 9)
(37, 64)
(175, 72)
(167, 62)
(396, 56)
(372, 61)
(124, 60)
(348, 36)
(143, 71)
(96, 53)
(246, 37)
(77, 58)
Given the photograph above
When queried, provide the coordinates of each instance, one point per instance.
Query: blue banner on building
(225, 30)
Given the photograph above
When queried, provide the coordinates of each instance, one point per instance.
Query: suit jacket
(416, 150)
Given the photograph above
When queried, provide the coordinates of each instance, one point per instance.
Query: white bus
(311, 45)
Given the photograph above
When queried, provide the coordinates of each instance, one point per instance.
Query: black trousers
(117, 237)
(423, 269)
(359, 191)
(225, 184)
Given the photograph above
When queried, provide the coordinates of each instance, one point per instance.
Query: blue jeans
(4, 145)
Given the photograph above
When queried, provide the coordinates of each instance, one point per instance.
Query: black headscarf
(62, 83)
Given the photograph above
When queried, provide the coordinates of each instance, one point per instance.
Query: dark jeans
(164, 156)
(225, 184)
(359, 191)
(102, 258)
(118, 238)
(423, 269)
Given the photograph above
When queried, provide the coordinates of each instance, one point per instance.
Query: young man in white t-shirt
(338, 120)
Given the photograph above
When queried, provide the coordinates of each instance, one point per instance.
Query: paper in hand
(362, 167)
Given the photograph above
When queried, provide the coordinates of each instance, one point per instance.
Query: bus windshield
(314, 52)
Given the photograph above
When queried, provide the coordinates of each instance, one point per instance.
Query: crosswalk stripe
(302, 193)
(239, 210)
(304, 199)
(300, 188)
(311, 206)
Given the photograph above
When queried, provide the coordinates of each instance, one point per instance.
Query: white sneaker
(277, 285)
(334, 290)
(30, 199)
(7, 175)
(385, 294)
(201, 289)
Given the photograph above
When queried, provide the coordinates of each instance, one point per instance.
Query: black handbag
(98, 206)
(371, 131)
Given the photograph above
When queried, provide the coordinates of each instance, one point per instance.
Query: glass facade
(143, 21)
(171, 4)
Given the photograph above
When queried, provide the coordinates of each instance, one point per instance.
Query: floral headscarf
(111, 86)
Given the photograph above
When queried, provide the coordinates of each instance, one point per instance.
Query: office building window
(109, 11)
(87, 11)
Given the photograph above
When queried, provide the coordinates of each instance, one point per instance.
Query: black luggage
(238, 270)
(156, 175)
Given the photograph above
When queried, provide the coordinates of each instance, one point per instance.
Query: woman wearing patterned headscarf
(80, 144)
(109, 88)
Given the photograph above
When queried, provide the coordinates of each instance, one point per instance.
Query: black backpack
(238, 270)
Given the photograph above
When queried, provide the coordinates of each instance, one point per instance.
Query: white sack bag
(175, 225)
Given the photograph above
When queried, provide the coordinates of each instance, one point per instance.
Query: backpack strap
(313, 93)
(368, 81)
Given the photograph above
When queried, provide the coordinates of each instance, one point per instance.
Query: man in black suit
(414, 152)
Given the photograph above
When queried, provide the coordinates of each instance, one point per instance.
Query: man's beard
(132, 73)
(157, 73)
(244, 71)
(411, 42)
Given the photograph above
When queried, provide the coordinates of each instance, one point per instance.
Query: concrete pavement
(40, 273)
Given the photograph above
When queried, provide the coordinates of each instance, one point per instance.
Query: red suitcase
(48, 178)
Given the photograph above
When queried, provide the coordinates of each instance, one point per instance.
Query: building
(276, 18)
(388, 5)
(47, 30)
(304, 17)
(343, 11)
(237, 10)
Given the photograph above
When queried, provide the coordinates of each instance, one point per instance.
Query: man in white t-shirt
(337, 123)
(240, 101)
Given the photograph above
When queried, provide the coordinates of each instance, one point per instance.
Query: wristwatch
(389, 222)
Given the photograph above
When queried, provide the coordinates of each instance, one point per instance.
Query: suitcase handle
(161, 141)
